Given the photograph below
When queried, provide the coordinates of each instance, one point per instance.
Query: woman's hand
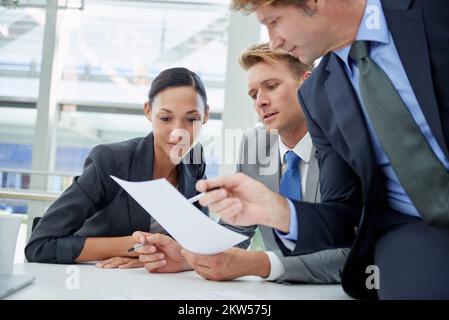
(161, 253)
(120, 262)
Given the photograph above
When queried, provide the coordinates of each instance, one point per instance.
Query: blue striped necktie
(290, 186)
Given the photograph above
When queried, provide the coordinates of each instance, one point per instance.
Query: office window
(16, 145)
(110, 52)
(113, 51)
(21, 34)
(115, 48)
(16, 137)
(79, 131)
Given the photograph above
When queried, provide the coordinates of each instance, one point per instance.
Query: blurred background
(74, 74)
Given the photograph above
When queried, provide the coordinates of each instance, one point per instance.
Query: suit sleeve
(323, 267)
(329, 224)
(54, 239)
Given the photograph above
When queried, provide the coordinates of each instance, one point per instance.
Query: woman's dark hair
(177, 77)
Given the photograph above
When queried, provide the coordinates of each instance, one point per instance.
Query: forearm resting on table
(103, 248)
(258, 264)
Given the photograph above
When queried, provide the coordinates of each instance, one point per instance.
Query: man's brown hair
(249, 6)
(257, 53)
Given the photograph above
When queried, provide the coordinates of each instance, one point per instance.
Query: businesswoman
(94, 219)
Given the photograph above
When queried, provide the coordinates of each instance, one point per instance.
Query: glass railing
(29, 193)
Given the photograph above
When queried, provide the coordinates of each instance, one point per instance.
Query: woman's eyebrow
(166, 110)
(192, 111)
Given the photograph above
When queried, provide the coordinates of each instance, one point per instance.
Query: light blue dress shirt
(383, 52)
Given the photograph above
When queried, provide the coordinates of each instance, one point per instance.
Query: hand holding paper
(185, 223)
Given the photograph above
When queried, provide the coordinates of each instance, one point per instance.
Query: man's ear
(147, 110)
(306, 75)
(311, 7)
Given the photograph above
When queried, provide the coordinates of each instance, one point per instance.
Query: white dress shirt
(304, 150)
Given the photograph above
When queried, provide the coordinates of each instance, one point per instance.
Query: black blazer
(352, 186)
(96, 206)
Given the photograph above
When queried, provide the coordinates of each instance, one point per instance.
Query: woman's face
(177, 115)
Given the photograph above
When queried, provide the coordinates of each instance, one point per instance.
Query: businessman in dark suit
(377, 109)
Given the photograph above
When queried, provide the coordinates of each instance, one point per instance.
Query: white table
(61, 282)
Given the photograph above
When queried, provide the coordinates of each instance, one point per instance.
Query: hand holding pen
(191, 200)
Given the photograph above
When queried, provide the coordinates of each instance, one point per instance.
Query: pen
(135, 247)
(198, 196)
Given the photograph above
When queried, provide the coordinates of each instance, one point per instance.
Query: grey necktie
(420, 173)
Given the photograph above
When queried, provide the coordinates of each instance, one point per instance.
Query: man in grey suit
(273, 78)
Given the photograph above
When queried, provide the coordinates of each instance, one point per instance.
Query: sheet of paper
(186, 223)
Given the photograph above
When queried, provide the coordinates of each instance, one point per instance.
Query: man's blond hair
(257, 53)
(249, 6)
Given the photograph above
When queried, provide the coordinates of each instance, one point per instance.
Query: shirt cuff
(277, 268)
(292, 234)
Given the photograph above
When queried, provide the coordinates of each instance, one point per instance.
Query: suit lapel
(271, 156)
(356, 149)
(407, 29)
(141, 170)
(186, 181)
(188, 174)
(267, 156)
(348, 117)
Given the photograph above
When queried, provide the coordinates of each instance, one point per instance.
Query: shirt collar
(373, 28)
(303, 148)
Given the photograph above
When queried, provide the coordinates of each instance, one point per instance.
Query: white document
(186, 223)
